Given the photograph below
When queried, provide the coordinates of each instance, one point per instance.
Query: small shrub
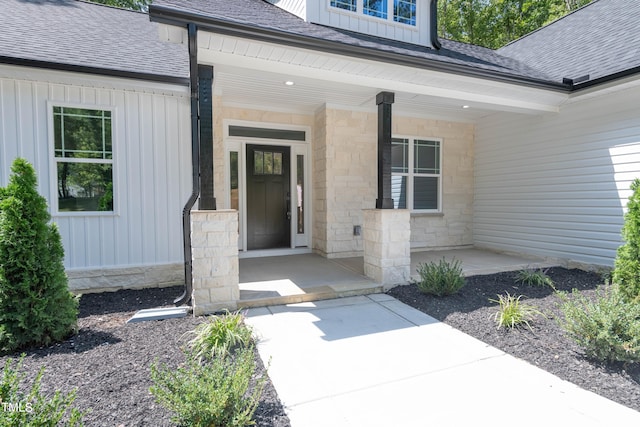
(535, 278)
(36, 306)
(626, 272)
(512, 312)
(442, 278)
(219, 336)
(33, 408)
(607, 329)
(215, 393)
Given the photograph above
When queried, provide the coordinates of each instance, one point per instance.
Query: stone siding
(214, 242)
(454, 226)
(114, 279)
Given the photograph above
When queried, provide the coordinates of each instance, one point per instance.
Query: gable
(408, 21)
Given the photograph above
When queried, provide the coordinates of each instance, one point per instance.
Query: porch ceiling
(251, 73)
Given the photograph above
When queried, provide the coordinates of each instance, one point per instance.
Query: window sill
(426, 214)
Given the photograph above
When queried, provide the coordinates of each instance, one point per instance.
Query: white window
(416, 180)
(404, 11)
(83, 157)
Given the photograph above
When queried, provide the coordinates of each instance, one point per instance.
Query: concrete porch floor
(309, 277)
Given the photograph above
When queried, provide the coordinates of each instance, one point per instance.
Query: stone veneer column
(387, 250)
(214, 243)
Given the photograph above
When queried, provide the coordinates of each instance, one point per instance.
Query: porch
(311, 277)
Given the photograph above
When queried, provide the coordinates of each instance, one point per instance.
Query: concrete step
(316, 293)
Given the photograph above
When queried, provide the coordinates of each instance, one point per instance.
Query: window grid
(95, 162)
(349, 5)
(404, 179)
(404, 11)
(377, 8)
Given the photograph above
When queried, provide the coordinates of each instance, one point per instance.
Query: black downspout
(434, 25)
(185, 298)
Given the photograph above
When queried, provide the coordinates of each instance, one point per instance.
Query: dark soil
(109, 361)
(546, 344)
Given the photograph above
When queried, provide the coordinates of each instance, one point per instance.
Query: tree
(626, 273)
(494, 23)
(36, 306)
(141, 5)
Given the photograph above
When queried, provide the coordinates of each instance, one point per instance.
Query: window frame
(390, 17)
(411, 174)
(54, 160)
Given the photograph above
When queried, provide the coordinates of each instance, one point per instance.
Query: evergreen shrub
(626, 272)
(36, 307)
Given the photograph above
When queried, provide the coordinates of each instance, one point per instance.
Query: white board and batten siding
(321, 12)
(141, 242)
(557, 185)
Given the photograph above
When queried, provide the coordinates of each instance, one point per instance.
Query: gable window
(404, 11)
(349, 5)
(416, 174)
(83, 156)
(377, 8)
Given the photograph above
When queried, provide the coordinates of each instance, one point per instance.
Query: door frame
(298, 242)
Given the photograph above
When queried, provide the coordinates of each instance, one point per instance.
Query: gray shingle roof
(601, 39)
(263, 15)
(80, 34)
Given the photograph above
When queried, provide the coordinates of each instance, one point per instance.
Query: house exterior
(529, 149)
(61, 60)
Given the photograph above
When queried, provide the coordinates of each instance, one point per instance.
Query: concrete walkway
(370, 361)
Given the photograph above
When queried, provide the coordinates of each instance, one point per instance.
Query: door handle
(289, 215)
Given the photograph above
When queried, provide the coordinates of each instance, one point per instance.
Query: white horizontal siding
(152, 166)
(556, 185)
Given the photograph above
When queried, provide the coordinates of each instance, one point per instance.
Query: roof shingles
(83, 34)
(598, 40)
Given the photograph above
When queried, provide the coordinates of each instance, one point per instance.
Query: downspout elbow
(433, 25)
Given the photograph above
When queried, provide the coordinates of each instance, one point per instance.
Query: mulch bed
(109, 361)
(546, 345)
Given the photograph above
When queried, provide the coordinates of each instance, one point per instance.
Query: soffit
(252, 72)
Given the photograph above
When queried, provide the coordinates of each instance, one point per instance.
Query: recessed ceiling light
(465, 107)
(289, 83)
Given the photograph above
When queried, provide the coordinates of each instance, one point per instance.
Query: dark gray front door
(268, 197)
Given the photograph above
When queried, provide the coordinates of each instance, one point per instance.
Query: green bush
(512, 312)
(36, 306)
(442, 278)
(535, 278)
(626, 272)
(33, 408)
(608, 328)
(215, 393)
(219, 336)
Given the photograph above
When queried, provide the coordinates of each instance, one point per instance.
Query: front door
(268, 197)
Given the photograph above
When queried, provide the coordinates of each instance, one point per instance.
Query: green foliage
(216, 393)
(36, 306)
(33, 408)
(494, 23)
(607, 329)
(141, 5)
(626, 273)
(535, 278)
(442, 278)
(219, 336)
(512, 312)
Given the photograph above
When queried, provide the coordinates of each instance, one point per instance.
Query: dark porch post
(205, 110)
(384, 101)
